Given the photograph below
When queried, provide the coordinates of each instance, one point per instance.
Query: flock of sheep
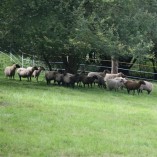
(104, 79)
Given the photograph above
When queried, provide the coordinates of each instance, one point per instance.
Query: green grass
(39, 120)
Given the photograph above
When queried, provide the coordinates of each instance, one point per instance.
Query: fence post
(33, 60)
(22, 60)
(11, 59)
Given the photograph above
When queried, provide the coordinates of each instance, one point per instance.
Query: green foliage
(4, 61)
(55, 28)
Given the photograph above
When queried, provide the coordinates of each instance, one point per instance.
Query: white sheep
(148, 87)
(10, 70)
(91, 74)
(111, 76)
(36, 73)
(114, 83)
(26, 73)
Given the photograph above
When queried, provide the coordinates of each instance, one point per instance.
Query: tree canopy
(56, 29)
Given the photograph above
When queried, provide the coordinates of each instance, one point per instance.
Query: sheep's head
(122, 75)
(17, 65)
(106, 71)
(41, 68)
(35, 68)
(95, 77)
(142, 82)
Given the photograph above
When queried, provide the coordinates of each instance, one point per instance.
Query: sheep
(121, 78)
(70, 79)
(101, 82)
(111, 76)
(50, 75)
(79, 78)
(36, 73)
(88, 80)
(58, 78)
(133, 85)
(26, 73)
(91, 74)
(114, 83)
(148, 87)
(10, 70)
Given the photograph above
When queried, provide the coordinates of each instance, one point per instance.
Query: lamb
(88, 80)
(10, 70)
(148, 87)
(26, 73)
(133, 85)
(111, 76)
(50, 75)
(36, 73)
(114, 83)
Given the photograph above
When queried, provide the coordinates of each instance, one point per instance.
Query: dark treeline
(108, 29)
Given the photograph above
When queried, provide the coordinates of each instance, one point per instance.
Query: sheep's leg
(20, 78)
(148, 92)
(133, 92)
(128, 91)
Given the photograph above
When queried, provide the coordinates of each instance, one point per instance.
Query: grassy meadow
(37, 120)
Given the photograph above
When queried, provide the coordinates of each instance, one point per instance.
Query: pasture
(39, 120)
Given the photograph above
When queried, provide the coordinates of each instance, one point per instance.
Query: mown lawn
(37, 120)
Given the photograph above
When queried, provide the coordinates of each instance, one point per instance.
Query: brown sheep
(133, 85)
(10, 70)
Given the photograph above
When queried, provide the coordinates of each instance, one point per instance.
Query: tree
(57, 30)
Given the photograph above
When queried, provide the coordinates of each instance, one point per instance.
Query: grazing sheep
(79, 78)
(88, 80)
(50, 75)
(36, 73)
(133, 85)
(148, 87)
(59, 78)
(111, 76)
(70, 79)
(114, 83)
(26, 73)
(101, 82)
(10, 70)
(121, 78)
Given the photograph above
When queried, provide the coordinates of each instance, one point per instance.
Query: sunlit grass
(41, 120)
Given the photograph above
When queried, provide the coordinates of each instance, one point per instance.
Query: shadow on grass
(41, 85)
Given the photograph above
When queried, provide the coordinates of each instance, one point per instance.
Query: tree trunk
(114, 62)
(47, 62)
(71, 63)
(154, 69)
